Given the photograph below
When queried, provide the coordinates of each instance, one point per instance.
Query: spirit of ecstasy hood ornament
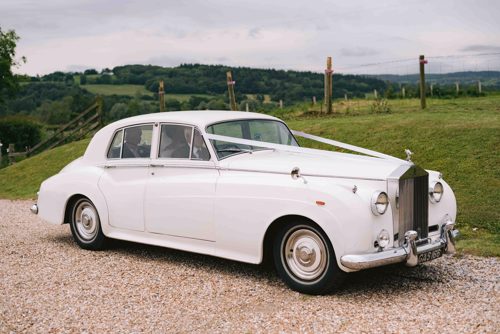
(408, 154)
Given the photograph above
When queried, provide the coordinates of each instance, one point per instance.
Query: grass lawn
(458, 137)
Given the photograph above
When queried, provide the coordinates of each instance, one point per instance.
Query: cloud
(481, 48)
(57, 34)
(358, 51)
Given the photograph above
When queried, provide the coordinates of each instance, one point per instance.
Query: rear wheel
(305, 259)
(86, 225)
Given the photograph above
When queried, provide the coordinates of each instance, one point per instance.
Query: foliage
(32, 95)
(380, 106)
(90, 71)
(210, 79)
(8, 81)
(21, 131)
(54, 112)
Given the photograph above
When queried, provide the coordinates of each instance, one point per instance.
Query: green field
(134, 90)
(459, 137)
(131, 90)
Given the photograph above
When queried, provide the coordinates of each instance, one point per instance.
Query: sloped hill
(23, 179)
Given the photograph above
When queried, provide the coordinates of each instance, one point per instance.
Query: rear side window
(116, 146)
(132, 142)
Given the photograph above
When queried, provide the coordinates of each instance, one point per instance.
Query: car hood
(328, 164)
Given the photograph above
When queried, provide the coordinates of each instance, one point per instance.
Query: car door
(180, 192)
(125, 176)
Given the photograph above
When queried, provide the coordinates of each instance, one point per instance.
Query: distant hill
(487, 78)
(211, 80)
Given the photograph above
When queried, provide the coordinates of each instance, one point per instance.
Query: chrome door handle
(155, 165)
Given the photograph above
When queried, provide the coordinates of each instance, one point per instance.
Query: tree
(8, 81)
(83, 79)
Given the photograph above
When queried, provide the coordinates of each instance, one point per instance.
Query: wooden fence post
(432, 93)
(161, 95)
(403, 92)
(422, 62)
(457, 87)
(11, 150)
(246, 107)
(328, 85)
(375, 93)
(230, 89)
(314, 100)
(479, 88)
(281, 104)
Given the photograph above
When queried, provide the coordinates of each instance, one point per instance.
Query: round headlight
(380, 202)
(436, 192)
(383, 239)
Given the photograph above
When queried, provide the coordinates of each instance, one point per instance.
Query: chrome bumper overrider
(408, 253)
(34, 209)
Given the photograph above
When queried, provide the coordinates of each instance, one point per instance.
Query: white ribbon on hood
(297, 149)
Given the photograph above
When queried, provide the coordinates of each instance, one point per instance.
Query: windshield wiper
(244, 150)
(236, 150)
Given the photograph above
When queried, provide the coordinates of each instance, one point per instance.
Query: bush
(21, 131)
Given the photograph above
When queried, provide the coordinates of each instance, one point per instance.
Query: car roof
(200, 118)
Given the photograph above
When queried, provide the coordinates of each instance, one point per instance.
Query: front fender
(351, 226)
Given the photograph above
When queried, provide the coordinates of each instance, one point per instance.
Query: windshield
(268, 131)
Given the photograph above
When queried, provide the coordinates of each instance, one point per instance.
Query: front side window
(182, 142)
(175, 141)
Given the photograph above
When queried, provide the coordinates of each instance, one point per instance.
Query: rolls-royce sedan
(238, 185)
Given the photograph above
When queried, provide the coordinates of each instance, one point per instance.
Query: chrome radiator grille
(413, 205)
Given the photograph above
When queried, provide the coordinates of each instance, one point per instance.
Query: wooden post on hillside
(161, 95)
(345, 96)
(432, 93)
(479, 88)
(403, 92)
(10, 151)
(457, 87)
(230, 89)
(375, 93)
(281, 104)
(314, 100)
(422, 62)
(247, 108)
(328, 85)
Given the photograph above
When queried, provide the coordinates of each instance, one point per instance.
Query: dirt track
(48, 284)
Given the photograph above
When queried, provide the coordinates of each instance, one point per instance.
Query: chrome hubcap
(305, 254)
(87, 221)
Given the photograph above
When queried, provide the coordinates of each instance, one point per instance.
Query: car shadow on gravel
(393, 278)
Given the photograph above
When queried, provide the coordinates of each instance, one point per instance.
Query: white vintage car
(237, 185)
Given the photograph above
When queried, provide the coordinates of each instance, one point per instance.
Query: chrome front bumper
(408, 253)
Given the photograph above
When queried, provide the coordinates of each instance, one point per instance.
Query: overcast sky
(73, 35)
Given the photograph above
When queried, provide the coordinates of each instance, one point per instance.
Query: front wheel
(86, 225)
(305, 259)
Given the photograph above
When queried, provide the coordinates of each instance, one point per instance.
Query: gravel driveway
(48, 285)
